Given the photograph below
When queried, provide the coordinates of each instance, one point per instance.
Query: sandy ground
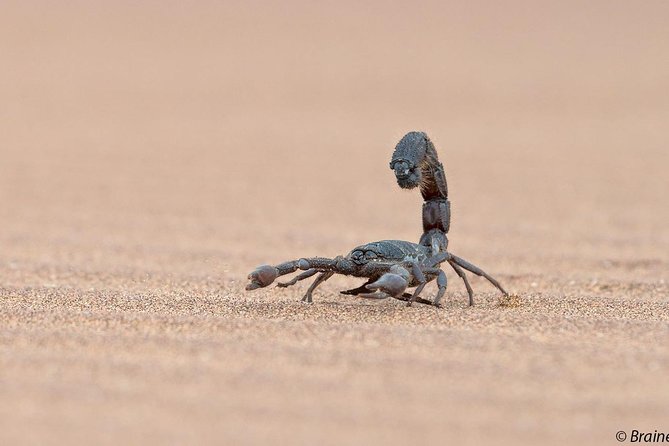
(151, 155)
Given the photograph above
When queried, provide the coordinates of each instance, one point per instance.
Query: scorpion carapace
(416, 164)
(392, 266)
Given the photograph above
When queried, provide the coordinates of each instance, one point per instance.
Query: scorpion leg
(305, 275)
(414, 296)
(462, 275)
(478, 271)
(442, 282)
(406, 296)
(319, 280)
(420, 277)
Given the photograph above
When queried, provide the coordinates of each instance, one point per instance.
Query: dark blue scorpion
(393, 266)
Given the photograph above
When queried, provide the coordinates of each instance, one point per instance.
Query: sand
(152, 155)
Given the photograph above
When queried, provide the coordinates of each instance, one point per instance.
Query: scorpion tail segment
(262, 276)
(478, 271)
(434, 239)
(437, 215)
(438, 174)
(390, 284)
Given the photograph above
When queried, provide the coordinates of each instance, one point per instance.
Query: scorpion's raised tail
(416, 164)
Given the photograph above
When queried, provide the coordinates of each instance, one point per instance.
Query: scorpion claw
(261, 277)
(390, 284)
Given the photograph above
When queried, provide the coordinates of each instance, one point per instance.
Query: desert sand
(152, 154)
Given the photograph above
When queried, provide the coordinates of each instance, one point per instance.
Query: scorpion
(393, 266)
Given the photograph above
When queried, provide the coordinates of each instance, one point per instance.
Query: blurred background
(153, 152)
(261, 107)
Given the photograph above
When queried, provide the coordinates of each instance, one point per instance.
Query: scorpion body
(392, 266)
